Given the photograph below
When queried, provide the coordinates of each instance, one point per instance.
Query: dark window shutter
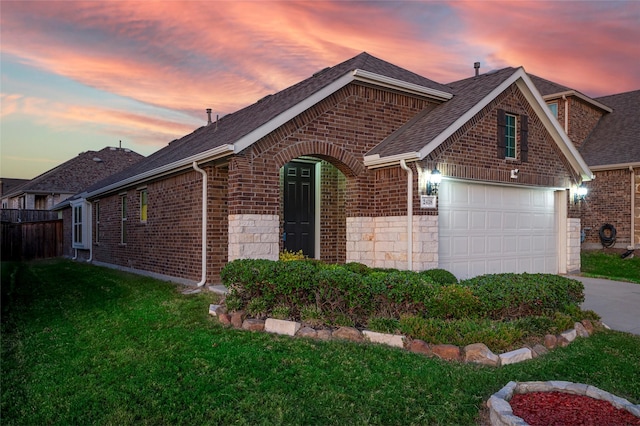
(524, 138)
(501, 133)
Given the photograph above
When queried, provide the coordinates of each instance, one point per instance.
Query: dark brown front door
(299, 207)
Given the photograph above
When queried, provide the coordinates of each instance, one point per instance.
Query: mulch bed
(560, 409)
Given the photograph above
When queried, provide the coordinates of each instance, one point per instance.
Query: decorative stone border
(501, 414)
(477, 353)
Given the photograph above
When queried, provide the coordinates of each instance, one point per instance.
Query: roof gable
(616, 138)
(419, 138)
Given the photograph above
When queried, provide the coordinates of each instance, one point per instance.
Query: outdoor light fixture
(580, 194)
(434, 182)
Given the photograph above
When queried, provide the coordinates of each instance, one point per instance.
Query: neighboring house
(606, 131)
(344, 166)
(7, 186)
(52, 188)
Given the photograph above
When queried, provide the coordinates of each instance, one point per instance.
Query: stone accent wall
(573, 245)
(608, 201)
(254, 236)
(381, 242)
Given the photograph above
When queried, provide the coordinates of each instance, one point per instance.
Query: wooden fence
(24, 215)
(31, 240)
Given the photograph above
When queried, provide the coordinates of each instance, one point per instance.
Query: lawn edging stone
(476, 353)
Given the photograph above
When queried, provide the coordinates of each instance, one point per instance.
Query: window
(513, 136)
(510, 136)
(143, 205)
(123, 220)
(554, 109)
(80, 225)
(97, 209)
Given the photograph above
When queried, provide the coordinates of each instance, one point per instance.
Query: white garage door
(487, 229)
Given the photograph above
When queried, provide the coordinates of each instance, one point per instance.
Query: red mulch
(560, 409)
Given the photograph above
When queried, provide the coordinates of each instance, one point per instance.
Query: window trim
(80, 224)
(510, 137)
(123, 219)
(553, 112)
(97, 220)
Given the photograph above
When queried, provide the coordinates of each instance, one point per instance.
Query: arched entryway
(313, 209)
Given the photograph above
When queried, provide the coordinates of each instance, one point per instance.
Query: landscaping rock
(588, 325)
(550, 341)
(288, 328)
(581, 331)
(421, 347)
(479, 353)
(225, 319)
(348, 333)
(447, 352)
(307, 332)
(237, 318)
(324, 334)
(253, 324)
(539, 350)
(385, 339)
(515, 356)
(561, 342)
(216, 310)
(570, 334)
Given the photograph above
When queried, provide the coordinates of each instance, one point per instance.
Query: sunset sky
(80, 76)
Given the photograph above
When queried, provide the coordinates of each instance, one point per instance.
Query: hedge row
(351, 294)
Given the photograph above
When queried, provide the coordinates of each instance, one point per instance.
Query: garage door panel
(492, 228)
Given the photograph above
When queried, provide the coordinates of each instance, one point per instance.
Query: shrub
(440, 276)
(384, 325)
(339, 291)
(280, 312)
(517, 295)
(311, 315)
(287, 255)
(453, 302)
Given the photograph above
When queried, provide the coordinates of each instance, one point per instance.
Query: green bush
(506, 296)
(384, 325)
(440, 276)
(453, 302)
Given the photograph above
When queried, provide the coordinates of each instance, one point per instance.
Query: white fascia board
(271, 125)
(567, 147)
(393, 83)
(375, 161)
(619, 166)
(587, 99)
(212, 154)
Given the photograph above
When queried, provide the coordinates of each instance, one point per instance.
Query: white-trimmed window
(510, 139)
(80, 224)
(553, 107)
(123, 219)
(96, 207)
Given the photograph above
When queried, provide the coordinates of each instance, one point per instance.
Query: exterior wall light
(434, 182)
(580, 193)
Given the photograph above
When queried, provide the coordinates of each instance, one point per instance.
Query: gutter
(212, 154)
(203, 280)
(403, 164)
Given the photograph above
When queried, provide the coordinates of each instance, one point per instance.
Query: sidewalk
(618, 303)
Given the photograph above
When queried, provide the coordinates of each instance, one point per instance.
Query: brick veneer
(608, 201)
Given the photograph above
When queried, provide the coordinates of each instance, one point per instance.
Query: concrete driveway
(618, 303)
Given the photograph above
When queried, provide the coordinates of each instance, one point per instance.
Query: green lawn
(599, 264)
(88, 345)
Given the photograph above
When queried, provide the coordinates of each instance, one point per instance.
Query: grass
(88, 345)
(599, 264)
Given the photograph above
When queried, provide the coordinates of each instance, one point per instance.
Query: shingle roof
(233, 127)
(8, 185)
(79, 172)
(546, 87)
(431, 122)
(616, 138)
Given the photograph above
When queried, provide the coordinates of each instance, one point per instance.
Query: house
(361, 162)
(50, 190)
(56, 185)
(606, 131)
(7, 186)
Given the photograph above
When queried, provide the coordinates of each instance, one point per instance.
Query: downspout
(90, 233)
(403, 164)
(633, 209)
(203, 280)
(566, 114)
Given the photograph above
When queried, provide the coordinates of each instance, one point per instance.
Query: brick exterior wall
(169, 243)
(583, 118)
(636, 238)
(608, 201)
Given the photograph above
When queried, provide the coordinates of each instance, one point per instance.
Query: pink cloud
(589, 46)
